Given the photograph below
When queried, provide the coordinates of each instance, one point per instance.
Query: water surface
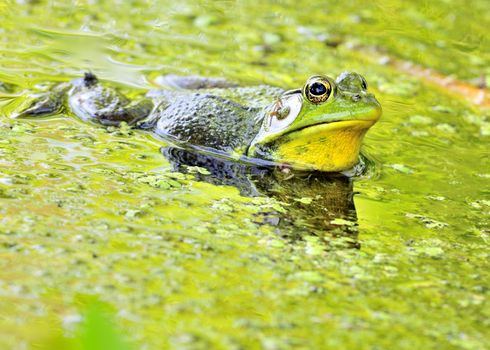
(98, 216)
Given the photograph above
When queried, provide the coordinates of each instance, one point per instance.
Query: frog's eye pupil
(318, 89)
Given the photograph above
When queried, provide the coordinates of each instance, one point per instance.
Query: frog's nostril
(356, 98)
(364, 84)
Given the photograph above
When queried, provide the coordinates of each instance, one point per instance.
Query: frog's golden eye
(317, 89)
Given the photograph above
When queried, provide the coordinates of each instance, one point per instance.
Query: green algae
(97, 216)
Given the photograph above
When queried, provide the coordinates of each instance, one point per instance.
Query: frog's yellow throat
(327, 147)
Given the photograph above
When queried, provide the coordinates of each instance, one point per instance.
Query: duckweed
(105, 245)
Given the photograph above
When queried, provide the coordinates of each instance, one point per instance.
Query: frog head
(318, 127)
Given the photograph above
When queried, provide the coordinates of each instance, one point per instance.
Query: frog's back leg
(89, 100)
(43, 104)
(193, 82)
(92, 101)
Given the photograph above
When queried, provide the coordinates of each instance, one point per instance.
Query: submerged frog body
(318, 127)
(318, 203)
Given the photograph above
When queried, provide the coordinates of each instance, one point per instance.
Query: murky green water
(94, 216)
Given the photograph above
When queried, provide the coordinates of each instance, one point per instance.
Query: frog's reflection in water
(317, 204)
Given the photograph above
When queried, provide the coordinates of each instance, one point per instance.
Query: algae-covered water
(104, 245)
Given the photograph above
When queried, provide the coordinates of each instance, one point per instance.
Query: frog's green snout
(353, 89)
(372, 109)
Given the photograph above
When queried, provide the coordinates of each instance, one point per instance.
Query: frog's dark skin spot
(89, 79)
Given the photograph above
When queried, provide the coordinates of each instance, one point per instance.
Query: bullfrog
(319, 126)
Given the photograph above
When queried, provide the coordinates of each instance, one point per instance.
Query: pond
(106, 243)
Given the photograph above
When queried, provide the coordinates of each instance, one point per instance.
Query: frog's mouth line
(357, 124)
(363, 120)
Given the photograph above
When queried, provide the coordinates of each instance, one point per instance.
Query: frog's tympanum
(317, 127)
